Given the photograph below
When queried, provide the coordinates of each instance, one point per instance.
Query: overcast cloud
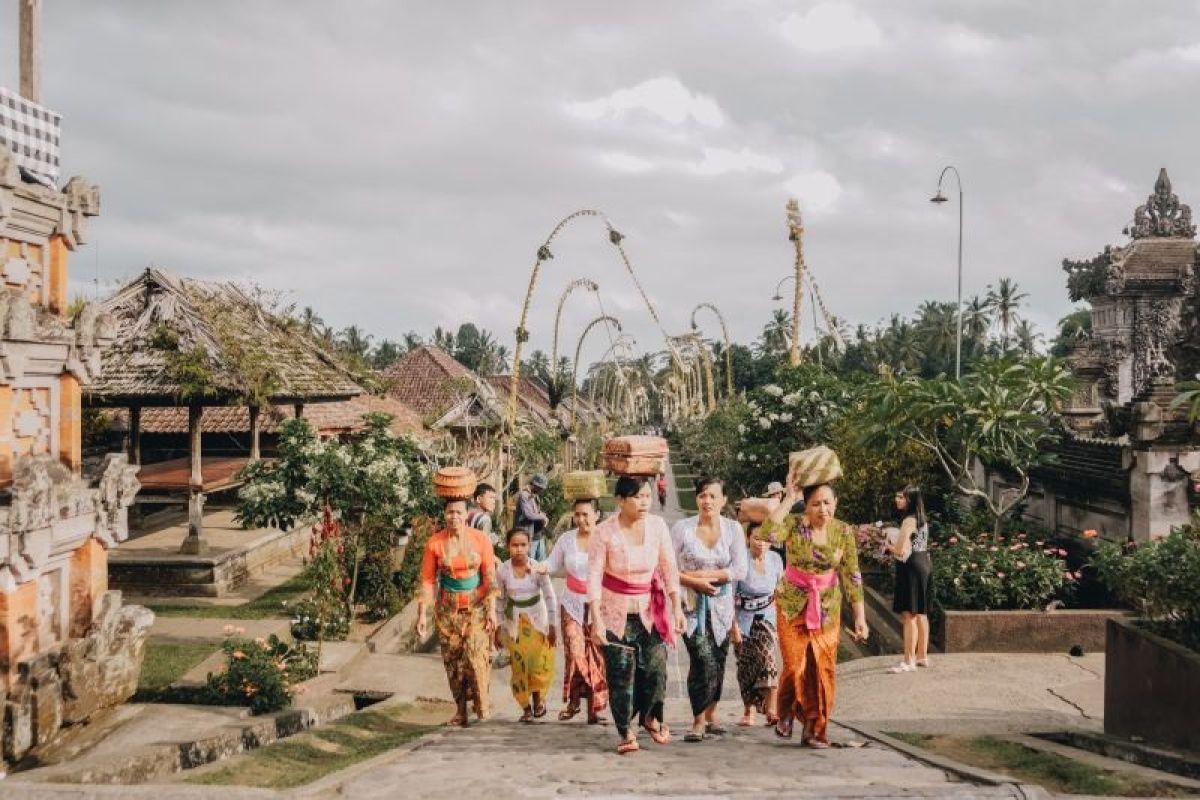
(395, 165)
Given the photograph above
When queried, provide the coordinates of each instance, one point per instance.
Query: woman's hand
(489, 621)
(861, 631)
(598, 633)
(422, 624)
(735, 635)
(538, 567)
(680, 621)
(704, 587)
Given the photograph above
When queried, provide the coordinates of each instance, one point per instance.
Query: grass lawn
(305, 757)
(167, 662)
(270, 604)
(1054, 772)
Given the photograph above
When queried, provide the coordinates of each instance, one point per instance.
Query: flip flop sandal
(816, 744)
(568, 713)
(692, 736)
(625, 748)
(744, 723)
(527, 717)
(539, 711)
(715, 729)
(784, 732)
(661, 734)
(772, 719)
(597, 720)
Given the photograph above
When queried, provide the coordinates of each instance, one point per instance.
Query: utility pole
(30, 49)
(796, 235)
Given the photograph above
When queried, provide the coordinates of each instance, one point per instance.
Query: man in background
(479, 516)
(530, 517)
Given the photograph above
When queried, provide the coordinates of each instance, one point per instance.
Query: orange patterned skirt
(583, 667)
(808, 682)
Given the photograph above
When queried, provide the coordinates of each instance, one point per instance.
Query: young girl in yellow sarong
(528, 612)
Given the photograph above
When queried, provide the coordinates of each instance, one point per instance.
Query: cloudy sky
(396, 165)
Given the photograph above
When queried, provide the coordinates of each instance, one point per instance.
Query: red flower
(1090, 534)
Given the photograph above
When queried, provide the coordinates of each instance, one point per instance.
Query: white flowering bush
(373, 484)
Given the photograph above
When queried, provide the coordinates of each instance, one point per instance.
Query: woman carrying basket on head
(822, 566)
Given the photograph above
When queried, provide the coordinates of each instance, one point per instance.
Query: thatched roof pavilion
(184, 342)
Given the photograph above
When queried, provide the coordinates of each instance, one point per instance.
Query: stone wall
(1151, 688)
(66, 684)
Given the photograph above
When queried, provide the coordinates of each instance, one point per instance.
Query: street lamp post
(941, 198)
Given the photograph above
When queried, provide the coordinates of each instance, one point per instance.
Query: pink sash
(576, 585)
(658, 601)
(811, 583)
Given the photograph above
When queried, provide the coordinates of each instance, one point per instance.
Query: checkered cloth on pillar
(32, 133)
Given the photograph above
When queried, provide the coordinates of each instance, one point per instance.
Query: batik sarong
(583, 668)
(532, 663)
(706, 670)
(757, 671)
(636, 670)
(809, 680)
(466, 654)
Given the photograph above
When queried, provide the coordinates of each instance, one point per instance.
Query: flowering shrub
(311, 622)
(982, 573)
(1161, 579)
(260, 673)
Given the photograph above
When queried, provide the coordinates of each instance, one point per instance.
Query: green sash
(460, 585)
(528, 602)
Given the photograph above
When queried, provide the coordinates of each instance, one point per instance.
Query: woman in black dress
(913, 571)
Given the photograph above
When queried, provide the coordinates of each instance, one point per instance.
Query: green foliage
(999, 413)
(408, 578)
(983, 573)
(261, 673)
(1161, 579)
(374, 484)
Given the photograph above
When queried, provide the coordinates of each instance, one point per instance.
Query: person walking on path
(633, 590)
(529, 614)
(479, 515)
(660, 484)
(711, 552)
(583, 659)
(458, 578)
(822, 565)
(530, 517)
(754, 598)
(913, 573)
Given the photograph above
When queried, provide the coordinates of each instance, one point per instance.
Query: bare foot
(747, 719)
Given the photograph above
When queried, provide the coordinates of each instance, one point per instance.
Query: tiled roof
(533, 398)
(160, 314)
(1159, 258)
(327, 418)
(429, 380)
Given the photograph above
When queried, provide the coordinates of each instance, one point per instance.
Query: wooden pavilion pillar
(194, 544)
(299, 409)
(255, 432)
(135, 435)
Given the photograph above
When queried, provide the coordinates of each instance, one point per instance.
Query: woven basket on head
(815, 466)
(455, 483)
(584, 485)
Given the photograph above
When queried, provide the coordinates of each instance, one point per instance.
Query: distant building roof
(429, 380)
(344, 416)
(160, 318)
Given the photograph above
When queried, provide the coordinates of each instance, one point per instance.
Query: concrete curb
(965, 771)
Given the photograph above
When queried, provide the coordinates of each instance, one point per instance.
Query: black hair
(508, 537)
(448, 500)
(629, 486)
(591, 501)
(809, 491)
(482, 489)
(751, 527)
(707, 481)
(914, 505)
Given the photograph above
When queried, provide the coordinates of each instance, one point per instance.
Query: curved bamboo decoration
(575, 369)
(578, 283)
(544, 254)
(728, 345)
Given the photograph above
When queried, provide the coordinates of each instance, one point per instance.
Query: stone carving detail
(20, 320)
(1155, 330)
(118, 485)
(1162, 215)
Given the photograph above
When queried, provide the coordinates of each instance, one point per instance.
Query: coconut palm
(1004, 301)
(776, 335)
(1027, 338)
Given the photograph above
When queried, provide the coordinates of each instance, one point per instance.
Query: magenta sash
(812, 583)
(576, 585)
(658, 601)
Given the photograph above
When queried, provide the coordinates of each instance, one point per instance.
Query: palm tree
(1004, 300)
(538, 364)
(354, 342)
(411, 341)
(311, 321)
(385, 354)
(977, 321)
(1027, 338)
(1072, 329)
(937, 329)
(442, 339)
(776, 335)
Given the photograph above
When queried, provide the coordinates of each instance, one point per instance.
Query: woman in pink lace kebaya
(633, 591)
